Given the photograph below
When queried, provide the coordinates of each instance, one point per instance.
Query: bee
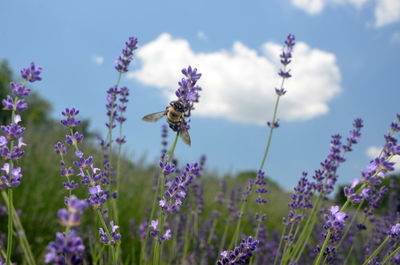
(176, 113)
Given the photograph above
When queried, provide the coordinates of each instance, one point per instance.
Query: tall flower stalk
(11, 145)
(91, 177)
(187, 94)
(115, 113)
(284, 73)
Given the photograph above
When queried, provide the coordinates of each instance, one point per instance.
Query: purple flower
(3, 141)
(178, 189)
(19, 90)
(241, 254)
(166, 236)
(273, 124)
(74, 139)
(70, 121)
(10, 103)
(31, 73)
(280, 92)
(354, 135)
(123, 61)
(260, 187)
(334, 222)
(286, 56)
(64, 250)
(12, 131)
(167, 168)
(111, 239)
(394, 231)
(59, 148)
(191, 74)
(188, 91)
(72, 216)
(12, 176)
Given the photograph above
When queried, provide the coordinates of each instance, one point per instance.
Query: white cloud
(310, 6)
(201, 35)
(238, 84)
(387, 12)
(98, 59)
(374, 151)
(317, 6)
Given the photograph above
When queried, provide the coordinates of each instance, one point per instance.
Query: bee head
(178, 106)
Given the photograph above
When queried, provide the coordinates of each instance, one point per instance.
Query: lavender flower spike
(240, 254)
(123, 61)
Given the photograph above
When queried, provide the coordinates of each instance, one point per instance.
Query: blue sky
(345, 66)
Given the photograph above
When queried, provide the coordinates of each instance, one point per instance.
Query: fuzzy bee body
(175, 115)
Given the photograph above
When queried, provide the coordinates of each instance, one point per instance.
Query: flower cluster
(65, 171)
(66, 249)
(115, 111)
(72, 215)
(260, 187)
(334, 222)
(155, 232)
(326, 177)
(301, 199)
(286, 57)
(121, 107)
(70, 121)
(240, 254)
(377, 169)
(11, 142)
(394, 231)
(123, 61)
(177, 189)
(110, 238)
(188, 94)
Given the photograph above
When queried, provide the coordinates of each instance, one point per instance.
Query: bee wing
(185, 136)
(154, 116)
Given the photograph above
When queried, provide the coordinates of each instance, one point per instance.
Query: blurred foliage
(39, 109)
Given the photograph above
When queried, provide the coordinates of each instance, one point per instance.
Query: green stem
(349, 254)
(264, 158)
(280, 245)
(376, 252)
(18, 227)
(321, 253)
(158, 246)
(10, 226)
(283, 260)
(257, 232)
(305, 234)
(222, 244)
(271, 130)
(391, 255)
(348, 227)
(109, 137)
(187, 240)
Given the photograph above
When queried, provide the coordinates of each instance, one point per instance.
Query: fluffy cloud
(374, 151)
(98, 59)
(310, 6)
(387, 12)
(238, 84)
(316, 6)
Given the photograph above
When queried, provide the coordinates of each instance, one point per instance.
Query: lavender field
(70, 196)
